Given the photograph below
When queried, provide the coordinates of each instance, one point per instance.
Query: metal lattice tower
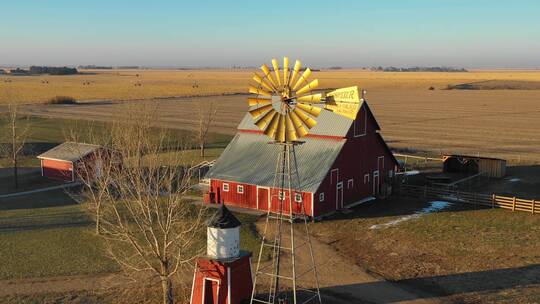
(286, 278)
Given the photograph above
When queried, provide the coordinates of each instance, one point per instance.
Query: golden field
(144, 84)
(497, 123)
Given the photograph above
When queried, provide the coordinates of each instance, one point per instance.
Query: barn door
(263, 197)
(339, 195)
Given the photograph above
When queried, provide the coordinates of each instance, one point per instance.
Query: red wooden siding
(256, 198)
(57, 169)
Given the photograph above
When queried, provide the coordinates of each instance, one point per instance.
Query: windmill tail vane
(285, 106)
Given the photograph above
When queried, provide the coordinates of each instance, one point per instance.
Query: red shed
(340, 163)
(66, 161)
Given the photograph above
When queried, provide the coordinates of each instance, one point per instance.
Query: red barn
(341, 162)
(67, 161)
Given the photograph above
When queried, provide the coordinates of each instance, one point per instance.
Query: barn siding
(358, 157)
(57, 169)
(248, 199)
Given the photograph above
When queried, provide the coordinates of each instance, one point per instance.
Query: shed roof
(69, 151)
(250, 158)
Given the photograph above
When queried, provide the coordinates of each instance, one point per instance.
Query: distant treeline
(95, 67)
(418, 69)
(52, 70)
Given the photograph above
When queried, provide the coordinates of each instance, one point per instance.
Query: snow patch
(433, 207)
(514, 179)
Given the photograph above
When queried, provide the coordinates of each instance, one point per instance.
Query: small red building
(67, 161)
(340, 163)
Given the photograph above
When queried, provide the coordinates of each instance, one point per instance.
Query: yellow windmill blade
(266, 73)
(308, 87)
(303, 78)
(298, 125)
(314, 98)
(272, 126)
(280, 133)
(345, 102)
(266, 119)
(275, 65)
(258, 91)
(290, 129)
(308, 121)
(296, 68)
(286, 70)
(259, 111)
(314, 111)
(258, 102)
(261, 81)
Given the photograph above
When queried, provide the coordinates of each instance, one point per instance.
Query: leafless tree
(17, 132)
(207, 115)
(148, 223)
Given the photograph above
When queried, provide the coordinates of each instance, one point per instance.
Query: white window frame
(225, 187)
(298, 197)
(240, 189)
(281, 195)
(350, 183)
(366, 178)
(321, 197)
(390, 173)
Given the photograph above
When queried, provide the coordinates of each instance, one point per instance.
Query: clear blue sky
(461, 33)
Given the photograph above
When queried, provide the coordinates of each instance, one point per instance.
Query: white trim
(268, 201)
(337, 176)
(41, 161)
(193, 283)
(376, 174)
(380, 169)
(223, 187)
(296, 195)
(56, 159)
(339, 186)
(350, 183)
(366, 175)
(204, 287)
(238, 187)
(312, 206)
(323, 198)
(228, 284)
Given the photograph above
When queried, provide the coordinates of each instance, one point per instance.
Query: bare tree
(17, 134)
(145, 218)
(207, 114)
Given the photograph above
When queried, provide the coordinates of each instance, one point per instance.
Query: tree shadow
(452, 284)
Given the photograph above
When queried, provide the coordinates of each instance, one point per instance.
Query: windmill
(285, 106)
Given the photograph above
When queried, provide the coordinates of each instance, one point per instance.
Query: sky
(198, 33)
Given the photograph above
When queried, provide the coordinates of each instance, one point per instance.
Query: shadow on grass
(452, 284)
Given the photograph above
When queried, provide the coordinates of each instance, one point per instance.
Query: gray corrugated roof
(250, 158)
(328, 124)
(69, 151)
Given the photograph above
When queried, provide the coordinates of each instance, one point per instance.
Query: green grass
(27, 181)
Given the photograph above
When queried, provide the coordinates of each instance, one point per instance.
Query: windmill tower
(285, 108)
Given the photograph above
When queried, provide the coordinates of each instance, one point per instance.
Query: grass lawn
(460, 253)
(29, 179)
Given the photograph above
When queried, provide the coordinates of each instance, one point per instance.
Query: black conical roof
(223, 219)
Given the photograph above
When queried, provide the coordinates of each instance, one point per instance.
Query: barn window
(366, 178)
(390, 173)
(298, 197)
(281, 195)
(321, 197)
(240, 189)
(225, 187)
(350, 183)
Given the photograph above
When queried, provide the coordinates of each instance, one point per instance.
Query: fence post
(514, 204)
(493, 201)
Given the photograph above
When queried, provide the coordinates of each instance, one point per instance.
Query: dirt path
(342, 281)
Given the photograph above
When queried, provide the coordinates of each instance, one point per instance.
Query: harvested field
(502, 123)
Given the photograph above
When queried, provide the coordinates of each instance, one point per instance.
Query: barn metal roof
(328, 124)
(69, 151)
(250, 158)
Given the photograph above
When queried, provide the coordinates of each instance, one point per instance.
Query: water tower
(223, 275)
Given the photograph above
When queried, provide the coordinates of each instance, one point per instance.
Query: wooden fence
(493, 201)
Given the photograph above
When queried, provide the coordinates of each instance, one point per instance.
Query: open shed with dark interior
(491, 167)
